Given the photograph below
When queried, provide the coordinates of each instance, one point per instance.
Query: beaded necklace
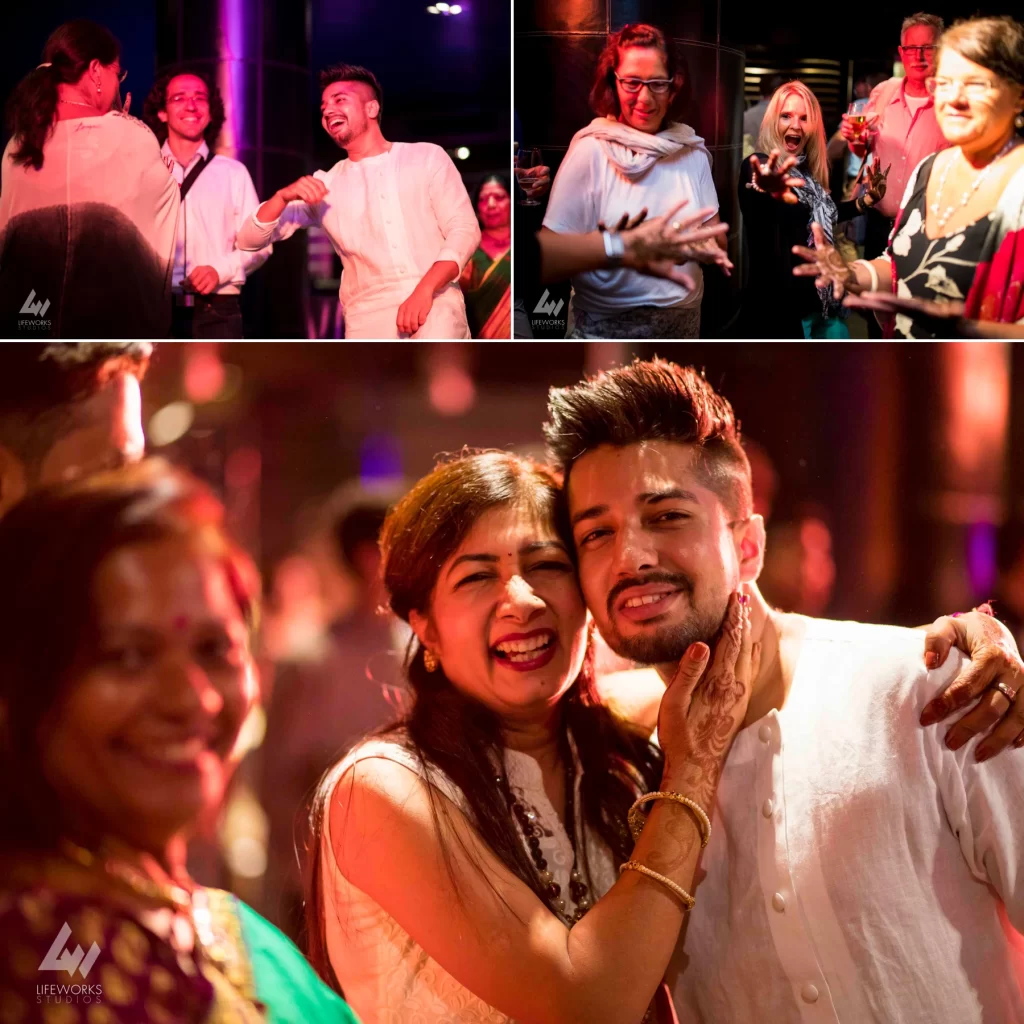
(528, 820)
(941, 221)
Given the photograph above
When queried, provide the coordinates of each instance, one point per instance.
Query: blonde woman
(955, 262)
(783, 191)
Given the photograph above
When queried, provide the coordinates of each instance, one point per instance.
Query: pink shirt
(904, 138)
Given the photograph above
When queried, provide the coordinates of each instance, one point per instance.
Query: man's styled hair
(41, 384)
(353, 73)
(933, 21)
(157, 101)
(652, 401)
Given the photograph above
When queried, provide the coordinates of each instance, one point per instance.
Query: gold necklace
(173, 896)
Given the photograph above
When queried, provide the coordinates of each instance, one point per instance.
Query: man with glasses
(902, 125)
(185, 110)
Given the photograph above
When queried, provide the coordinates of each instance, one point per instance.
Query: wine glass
(526, 159)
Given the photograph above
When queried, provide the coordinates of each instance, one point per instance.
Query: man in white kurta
(858, 870)
(397, 214)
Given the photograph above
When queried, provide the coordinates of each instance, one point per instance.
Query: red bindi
(180, 622)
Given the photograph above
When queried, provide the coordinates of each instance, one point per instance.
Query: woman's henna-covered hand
(994, 658)
(826, 265)
(703, 709)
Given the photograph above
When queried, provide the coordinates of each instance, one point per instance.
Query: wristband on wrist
(871, 271)
(614, 248)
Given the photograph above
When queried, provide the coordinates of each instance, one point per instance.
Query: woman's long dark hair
(457, 735)
(68, 52)
(51, 545)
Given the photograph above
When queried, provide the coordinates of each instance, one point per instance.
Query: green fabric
(285, 982)
(482, 299)
(825, 327)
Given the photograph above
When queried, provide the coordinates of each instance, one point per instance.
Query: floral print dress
(939, 269)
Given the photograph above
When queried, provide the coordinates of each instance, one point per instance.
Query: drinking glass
(527, 158)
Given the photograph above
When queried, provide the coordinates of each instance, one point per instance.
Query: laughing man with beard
(860, 869)
(397, 214)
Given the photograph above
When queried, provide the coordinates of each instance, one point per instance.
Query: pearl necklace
(941, 221)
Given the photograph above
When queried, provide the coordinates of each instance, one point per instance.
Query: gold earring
(430, 661)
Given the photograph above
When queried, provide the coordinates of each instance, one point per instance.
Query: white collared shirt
(858, 870)
(220, 200)
(390, 217)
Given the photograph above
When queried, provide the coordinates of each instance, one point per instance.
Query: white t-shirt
(588, 189)
(858, 871)
(915, 103)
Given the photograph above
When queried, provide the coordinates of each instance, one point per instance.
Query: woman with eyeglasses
(88, 209)
(955, 260)
(631, 160)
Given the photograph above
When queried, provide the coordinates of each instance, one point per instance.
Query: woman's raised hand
(826, 265)
(659, 244)
(774, 178)
(705, 704)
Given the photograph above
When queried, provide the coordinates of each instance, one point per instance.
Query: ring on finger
(676, 226)
(1007, 691)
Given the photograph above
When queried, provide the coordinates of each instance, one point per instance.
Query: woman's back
(91, 233)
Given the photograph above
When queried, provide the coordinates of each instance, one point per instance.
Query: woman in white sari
(88, 209)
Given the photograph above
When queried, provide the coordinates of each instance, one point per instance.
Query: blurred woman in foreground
(126, 673)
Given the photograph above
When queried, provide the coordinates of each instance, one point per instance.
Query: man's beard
(667, 643)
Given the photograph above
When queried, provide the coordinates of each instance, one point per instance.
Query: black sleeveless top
(938, 269)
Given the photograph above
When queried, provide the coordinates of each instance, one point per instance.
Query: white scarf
(633, 152)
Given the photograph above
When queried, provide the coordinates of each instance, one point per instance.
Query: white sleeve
(240, 262)
(572, 207)
(983, 805)
(706, 195)
(256, 234)
(454, 212)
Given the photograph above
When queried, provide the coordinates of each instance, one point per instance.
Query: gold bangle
(636, 820)
(687, 900)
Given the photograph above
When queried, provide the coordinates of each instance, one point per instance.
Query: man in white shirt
(185, 110)
(397, 214)
(859, 870)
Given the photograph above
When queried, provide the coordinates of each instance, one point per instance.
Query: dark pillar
(258, 52)
(557, 46)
